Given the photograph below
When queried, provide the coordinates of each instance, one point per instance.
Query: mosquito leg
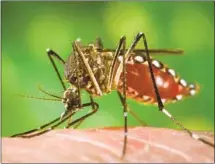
(113, 64)
(160, 103)
(131, 112)
(37, 129)
(81, 119)
(62, 120)
(78, 124)
(52, 54)
(122, 44)
(160, 51)
(69, 120)
(75, 126)
(88, 68)
(99, 43)
(124, 103)
(151, 51)
(143, 123)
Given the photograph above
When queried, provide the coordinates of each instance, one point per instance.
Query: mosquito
(132, 72)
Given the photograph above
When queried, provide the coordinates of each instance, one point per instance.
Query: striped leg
(52, 54)
(122, 44)
(160, 103)
(43, 129)
(143, 123)
(124, 103)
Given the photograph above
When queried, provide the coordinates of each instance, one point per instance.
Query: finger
(105, 145)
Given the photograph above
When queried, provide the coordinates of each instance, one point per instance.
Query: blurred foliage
(29, 28)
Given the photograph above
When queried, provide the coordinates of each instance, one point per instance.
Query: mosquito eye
(73, 79)
(64, 100)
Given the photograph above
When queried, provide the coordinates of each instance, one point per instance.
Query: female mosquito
(132, 72)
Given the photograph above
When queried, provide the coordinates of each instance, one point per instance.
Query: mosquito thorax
(98, 61)
(71, 98)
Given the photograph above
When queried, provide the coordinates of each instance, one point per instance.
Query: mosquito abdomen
(139, 84)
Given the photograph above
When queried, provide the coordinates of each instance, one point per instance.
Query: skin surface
(145, 144)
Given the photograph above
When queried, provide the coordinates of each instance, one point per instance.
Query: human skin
(145, 144)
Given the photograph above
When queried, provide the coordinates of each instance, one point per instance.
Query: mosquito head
(71, 98)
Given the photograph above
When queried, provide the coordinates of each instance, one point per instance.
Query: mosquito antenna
(58, 98)
(40, 88)
(39, 98)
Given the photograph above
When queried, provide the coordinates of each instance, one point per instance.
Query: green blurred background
(29, 28)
